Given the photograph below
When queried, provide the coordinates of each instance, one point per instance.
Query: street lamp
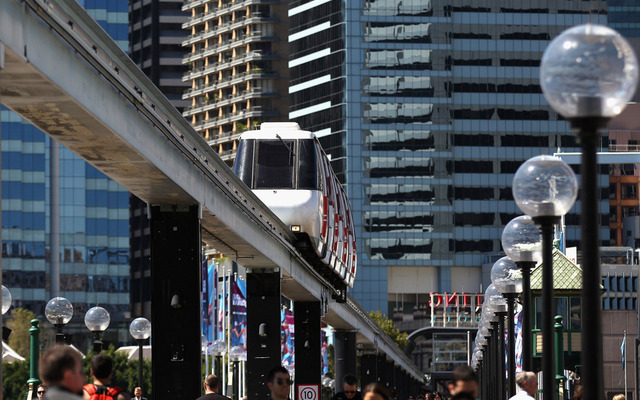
(522, 243)
(6, 300)
(140, 329)
(6, 305)
(545, 188)
(59, 312)
(97, 320)
(507, 278)
(494, 301)
(588, 74)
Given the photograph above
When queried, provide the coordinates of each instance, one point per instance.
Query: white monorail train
(288, 170)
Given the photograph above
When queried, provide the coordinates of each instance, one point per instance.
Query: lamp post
(588, 74)
(507, 278)
(495, 302)
(545, 188)
(6, 305)
(140, 329)
(59, 312)
(97, 320)
(491, 324)
(522, 243)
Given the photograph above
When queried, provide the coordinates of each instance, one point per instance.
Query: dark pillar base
(345, 356)
(175, 292)
(307, 344)
(263, 345)
(367, 369)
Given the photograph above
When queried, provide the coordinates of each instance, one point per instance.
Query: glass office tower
(427, 109)
(93, 216)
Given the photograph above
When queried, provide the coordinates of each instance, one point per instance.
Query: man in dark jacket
(350, 389)
(211, 389)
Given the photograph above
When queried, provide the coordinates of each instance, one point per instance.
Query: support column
(367, 369)
(344, 343)
(308, 343)
(175, 307)
(263, 329)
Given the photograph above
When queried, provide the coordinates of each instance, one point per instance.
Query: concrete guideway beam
(64, 74)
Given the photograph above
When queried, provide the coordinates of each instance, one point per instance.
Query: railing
(624, 147)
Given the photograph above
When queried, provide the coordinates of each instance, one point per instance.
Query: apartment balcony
(217, 12)
(227, 27)
(228, 100)
(224, 138)
(257, 111)
(232, 80)
(229, 44)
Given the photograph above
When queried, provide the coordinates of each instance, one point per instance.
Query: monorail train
(288, 170)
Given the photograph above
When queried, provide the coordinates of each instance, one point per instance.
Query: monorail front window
(274, 167)
(277, 164)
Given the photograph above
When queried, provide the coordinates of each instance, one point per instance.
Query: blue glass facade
(94, 214)
(427, 109)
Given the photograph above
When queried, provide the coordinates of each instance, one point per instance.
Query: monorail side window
(307, 168)
(243, 166)
(275, 162)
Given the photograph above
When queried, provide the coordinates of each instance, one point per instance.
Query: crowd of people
(63, 379)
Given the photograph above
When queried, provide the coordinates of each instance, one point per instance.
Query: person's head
(101, 367)
(528, 381)
(465, 381)
(428, 396)
(279, 383)
(137, 392)
(411, 397)
(211, 384)
(61, 366)
(41, 391)
(437, 396)
(375, 391)
(350, 386)
(619, 397)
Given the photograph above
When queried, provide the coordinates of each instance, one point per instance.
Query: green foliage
(400, 338)
(14, 379)
(125, 372)
(20, 323)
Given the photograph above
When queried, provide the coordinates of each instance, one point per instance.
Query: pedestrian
(527, 382)
(619, 397)
(101, 370)
(279, 383)
(137, 394)
(349, 389)
(465, 384)
(41, 390)
(375, 391)
(61, 371)
(212, 389)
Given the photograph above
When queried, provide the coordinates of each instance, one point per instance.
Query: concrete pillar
(307, 344)
(175, 310)
(344, 343)
(263, 329)
(367, 369)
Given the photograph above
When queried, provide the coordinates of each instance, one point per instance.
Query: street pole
(559, 330)
(34, 341)
(527, 343)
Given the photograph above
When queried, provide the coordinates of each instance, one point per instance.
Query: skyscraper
(237, 68)
(155, 45)
(90, 223)
(427, 109)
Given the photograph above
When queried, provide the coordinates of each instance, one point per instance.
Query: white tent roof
(9, 355)
(132, 352)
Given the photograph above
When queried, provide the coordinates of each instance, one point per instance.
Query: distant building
(155, 45)
(427, 109)
(237, 68)
(92, 265)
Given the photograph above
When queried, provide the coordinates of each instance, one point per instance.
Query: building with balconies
(237, 68)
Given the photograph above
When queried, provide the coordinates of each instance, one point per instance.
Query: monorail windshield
(277, 164)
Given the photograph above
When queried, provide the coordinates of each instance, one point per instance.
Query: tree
(20, 323)
(14, 379)
(400, 338)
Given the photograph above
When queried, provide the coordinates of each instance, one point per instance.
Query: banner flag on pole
(624, 352)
